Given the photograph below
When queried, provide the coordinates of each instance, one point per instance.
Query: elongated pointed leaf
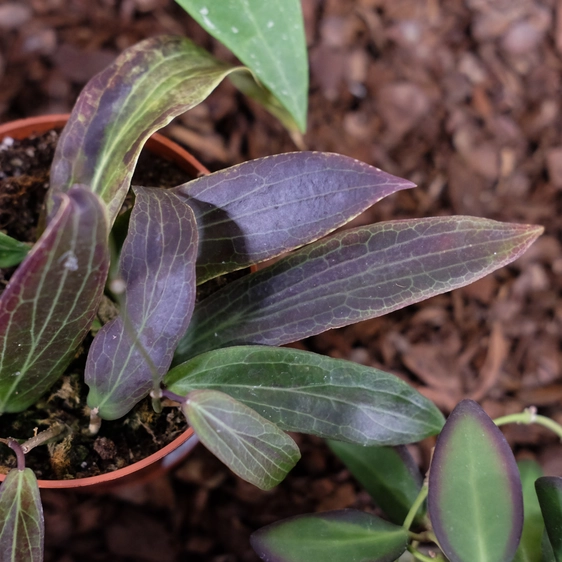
(475, 501)
(22, 529)
(547, 551)
(347, 535)
(530, 547)
(352, 276)
(549, 492)
(260, 209)
(268, 37)
(48, 306)
(251, 446)
(389, 474)
(12, 251)
(310, 393)
(131, 354)
(142, 91)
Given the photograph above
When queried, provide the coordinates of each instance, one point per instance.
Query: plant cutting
(481, 504)
(215, 357)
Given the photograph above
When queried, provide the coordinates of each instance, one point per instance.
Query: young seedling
(238, 390)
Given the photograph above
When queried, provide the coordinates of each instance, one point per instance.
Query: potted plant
(239, 391)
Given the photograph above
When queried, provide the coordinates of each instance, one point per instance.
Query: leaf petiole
(415, 507)
(529, 416)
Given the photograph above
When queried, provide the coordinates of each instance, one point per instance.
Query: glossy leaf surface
(530, 549)
(12, 251)
(131, 354)
(262, 208)
(475, 501)
(549, 492)
(338, 536)
(310, 393)
(251, 446)
(22, 529)
(48, 306)
(142, 91)
(389, 474)
(268, 37)
(352, 276)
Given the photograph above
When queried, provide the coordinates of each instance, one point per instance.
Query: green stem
(419, 556)
(415, 508)
(529, 416)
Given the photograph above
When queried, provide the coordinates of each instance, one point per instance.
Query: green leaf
(530, 549)
(389, 474)
(130, 355)
(252, 447)
(310, 393)
(51, 300)
(475, 501)
(142, 91)
(12, 251)
(352, 276)
(335, 536)
(268, 37)
(22, 529)
(549, 492)
(263, 208)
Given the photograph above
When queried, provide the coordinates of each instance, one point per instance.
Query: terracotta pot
(177, 450)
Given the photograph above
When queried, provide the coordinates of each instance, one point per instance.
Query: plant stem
(415, 508)
(529, 416)
(419, 556)
(42, 437)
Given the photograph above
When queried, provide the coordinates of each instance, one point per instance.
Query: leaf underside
(310, 393)
(351, 276)
(475, 501)
(549, 492)
(51, 300)
(260, 209)
(142, 91)
(338, 536)
(268, 37)
(130, 355)
(22, 529)
(252, 447)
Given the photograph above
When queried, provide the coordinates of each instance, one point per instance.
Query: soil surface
(461, 97)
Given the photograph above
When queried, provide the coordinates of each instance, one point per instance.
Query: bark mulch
(461, 97)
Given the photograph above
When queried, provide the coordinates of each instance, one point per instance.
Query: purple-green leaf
(389, 474)
(22, 527)
(251, 446)
(352, 276)
(347, 535)
(549, 492)
(130, 355)
(475, 501)
(48, 306)
(310, 393)
(12, 251)
(262, 208)
(142, 91)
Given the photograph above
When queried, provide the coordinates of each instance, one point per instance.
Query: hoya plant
(476, 503)
(218, 358)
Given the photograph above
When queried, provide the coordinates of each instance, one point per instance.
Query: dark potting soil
(24, 180)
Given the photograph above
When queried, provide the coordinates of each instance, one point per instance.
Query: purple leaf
(131, 354)
(22, 529)
(475, 501)
(142, 91)
(352, 276)
(262, 208)
(48, 306)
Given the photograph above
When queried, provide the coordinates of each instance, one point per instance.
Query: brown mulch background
(461, 97)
